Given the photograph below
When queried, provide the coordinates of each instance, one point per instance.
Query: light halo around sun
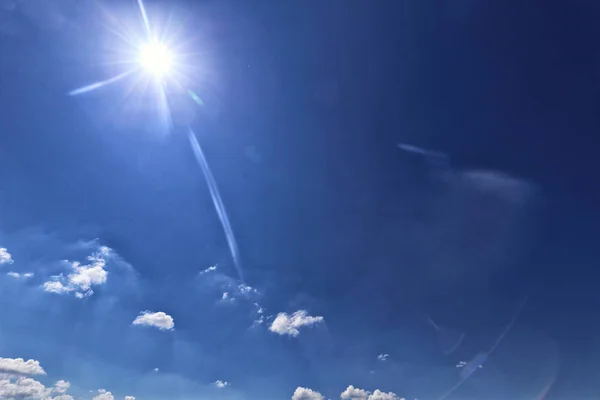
(155, 58)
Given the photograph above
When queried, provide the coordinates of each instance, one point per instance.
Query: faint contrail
(418, 150)
(218, 202)
(98, 85)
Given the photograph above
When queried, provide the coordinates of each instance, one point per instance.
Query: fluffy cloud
(352, 393)
(61, 387)
(18, 366)
(5, 256)
(104, 395)
(221, 384)
(17, 275)
(285, 324)
(306, 394)
(83, 276)
(22, 388)
(159, 320)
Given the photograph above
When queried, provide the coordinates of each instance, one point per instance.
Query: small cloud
(129, 398)
(259, 310)
(5, 256)
(18, 366)
(17, 275)
(226, 296)
(383, 357)
(61, 387)
(221, 384)
(353, 393)
(285, 324)
(306, 394)
(159, 320)
(156, 369)
(209, 269)
(83, 277)
(104, 395)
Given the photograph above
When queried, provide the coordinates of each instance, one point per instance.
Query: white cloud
(83, 276)
(15, 385)
(61, 387)
(306, 394)
(5, 256)
(158, 320)
(156, 369)
(285, 324)
(221, 384)
(209, 269)
(379, 395)
(22, 388)
(353, 393)
(63, 397)
(17, 275)
(129, 398)
(18, 366)
(383, 357)
(104, 395)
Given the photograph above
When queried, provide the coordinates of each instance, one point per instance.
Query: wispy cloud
(5, 256)
(129, 398)
(83, 276)
(383, 357)
(306, 394)
(209, 269)
(17, 275)
(285, 324)
(221, 384)
(159, 320)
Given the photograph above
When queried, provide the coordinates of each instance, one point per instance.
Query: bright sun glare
(156, 58)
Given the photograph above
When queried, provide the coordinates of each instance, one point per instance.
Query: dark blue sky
(304, 105)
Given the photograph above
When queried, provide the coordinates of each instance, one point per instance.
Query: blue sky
(410, 186)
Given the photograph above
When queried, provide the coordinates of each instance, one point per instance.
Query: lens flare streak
(217, 201)
(100, 84)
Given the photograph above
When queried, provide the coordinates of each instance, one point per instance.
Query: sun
(156, 58)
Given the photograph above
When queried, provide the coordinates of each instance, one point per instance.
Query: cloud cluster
(159, 320)
(16, 383)
(351, 393)
(285, 324)
(83, 276)
(18, 275)
(5, 256)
